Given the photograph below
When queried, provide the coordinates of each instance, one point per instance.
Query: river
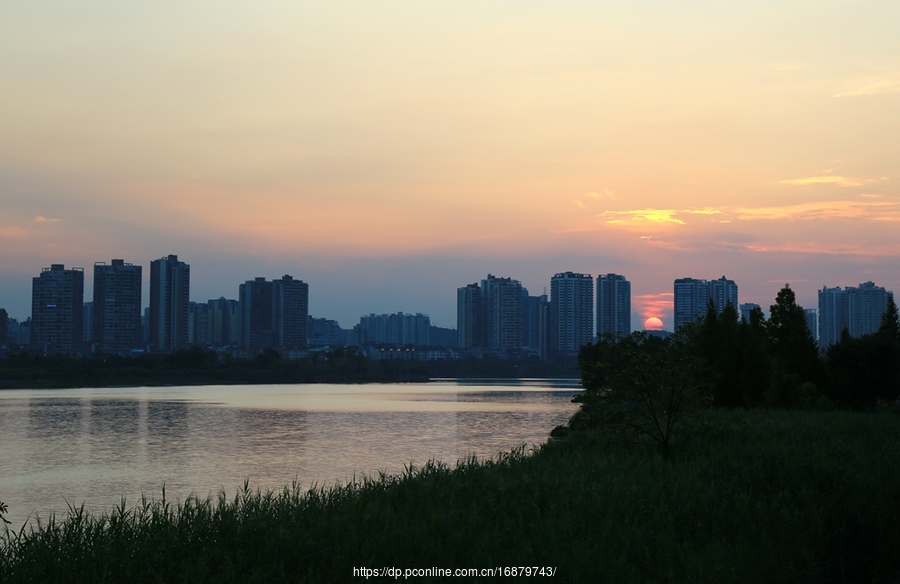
(94, 446)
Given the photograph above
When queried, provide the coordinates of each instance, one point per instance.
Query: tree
(640, 387)
(797, 368)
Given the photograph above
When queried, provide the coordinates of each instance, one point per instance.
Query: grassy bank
(763, 497)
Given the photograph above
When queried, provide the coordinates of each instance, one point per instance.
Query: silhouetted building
(57, 296)
(395, 329)
(692, 297)
(833, 305)
(856, 309)
(324, 333)
(747, 308)
(170, 288)
(87, 323)
(4, 327)
(274, 314)
(865, 305)
(19, 332)
(198, 324)
(116, 309)
(224, 322)
(812, 320)
(536, 324)
(470, 317)
(503, 312)
(613, 305)
(571, 312)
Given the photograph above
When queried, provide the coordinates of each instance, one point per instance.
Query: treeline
(196, 366)
(651, 387)
(774, 362)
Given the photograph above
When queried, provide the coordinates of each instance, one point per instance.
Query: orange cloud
(658, 216)
(657, 305)
(840, 181)
(13, 232)
(40, 219)
(873, 210)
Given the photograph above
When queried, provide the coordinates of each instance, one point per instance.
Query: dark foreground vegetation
(765, 496)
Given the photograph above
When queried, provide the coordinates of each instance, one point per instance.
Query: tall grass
(764, 497)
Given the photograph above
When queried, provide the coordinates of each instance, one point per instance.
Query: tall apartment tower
(865, 305)
(224, 322)
(170, 288)
(856, 309)
(613, 305)
(536, 323)
(274, 314)
(470, 317)
(692, 297)
(116, 310)
(290, 312)
(57, 296)
(571, 312)
(503, 312)
(833, 305)
(812, 321)
(723, 292)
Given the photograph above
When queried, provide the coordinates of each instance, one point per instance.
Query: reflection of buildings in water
(167, 430)
(52, 418)
(114, 418)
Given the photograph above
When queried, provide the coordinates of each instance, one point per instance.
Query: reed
(764, 496)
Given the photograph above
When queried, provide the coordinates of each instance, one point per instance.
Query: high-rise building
(57, 296)
(812, 320)
(274, 314)
(290, 305)
(170, 288)
(87, 322)
(833, 305)
(692, 297)
(4, 327)
(856, 309)
(865, 305)
(395, 329)
(116, 310)
(224, 322)
(747, 308)
(536, 323)
(503, 312)
(198, 324)
(470, 325)
(571, 312)
(613, 305)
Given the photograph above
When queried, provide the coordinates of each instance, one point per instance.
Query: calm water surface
(94, 446)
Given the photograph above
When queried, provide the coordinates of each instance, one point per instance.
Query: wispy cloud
(841, 181)
(868, 209)
(41, 219)
(13, 232)
(873, 88)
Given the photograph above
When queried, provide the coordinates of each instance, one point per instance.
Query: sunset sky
(389, 152)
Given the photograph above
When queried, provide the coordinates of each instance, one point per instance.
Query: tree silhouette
(797, 368)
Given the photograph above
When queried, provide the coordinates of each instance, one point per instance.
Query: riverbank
(764, 496)
(197, 367)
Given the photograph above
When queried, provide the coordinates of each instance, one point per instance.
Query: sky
(389, 152)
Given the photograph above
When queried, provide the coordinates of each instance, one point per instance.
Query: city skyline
(388, 154)
(663, 304)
